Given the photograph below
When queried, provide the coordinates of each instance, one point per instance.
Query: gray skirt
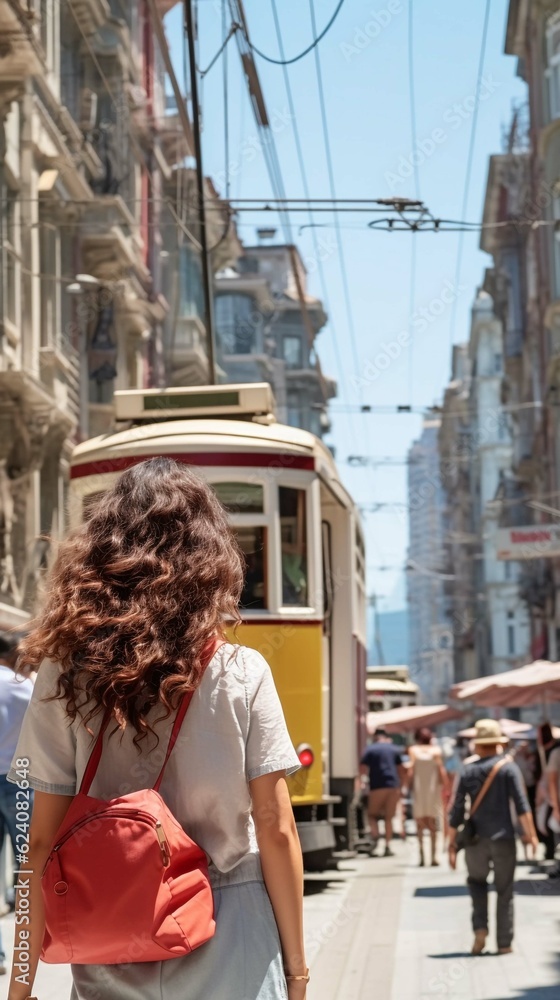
(243, 960)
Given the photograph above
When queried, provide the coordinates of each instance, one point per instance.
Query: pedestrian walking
(131, 633)
(428, 780)
(492, 783)
(15, 692)
(553, 797)
(546, 744)
(383, 764)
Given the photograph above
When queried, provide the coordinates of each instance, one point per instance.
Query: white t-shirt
(234, 731)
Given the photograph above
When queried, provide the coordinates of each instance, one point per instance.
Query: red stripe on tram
(282, 621)
(241, 459)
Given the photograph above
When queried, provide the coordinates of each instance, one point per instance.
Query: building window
(50, 285)
(248, 265)
(497, 363)
(238, 322)
(553, 64)
(49, 12)
(11, 258)
(294, 410)
(292, 351)
(511, 633)
(511, 569)
(71, 82)
(190, 273)
(503, 429)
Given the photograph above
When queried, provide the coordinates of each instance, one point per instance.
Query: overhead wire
(310, 48)
(242, 107)
(223, 48)
(330, 172)
(412, 103)
(468, 171)
(225, 91)
(305, 183)
(268, 147)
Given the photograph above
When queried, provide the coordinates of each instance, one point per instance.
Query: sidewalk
(383, 929)
(404, 934)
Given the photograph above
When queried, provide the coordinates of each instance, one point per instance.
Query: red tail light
(305, 754)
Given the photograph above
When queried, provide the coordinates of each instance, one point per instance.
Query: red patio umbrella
(411, 717)
(529, 685)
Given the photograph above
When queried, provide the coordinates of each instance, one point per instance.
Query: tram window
(293, 530)
(252, 542)
(240, 498)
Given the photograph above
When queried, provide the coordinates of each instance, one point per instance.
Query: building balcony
(111, 248)
(249, 368)
(306, 378)
(174, 144)
(113, 41)
(35, 402)
(90, 14)
(60, 145)
(137, 316)
(189, 363)
(109, 256)
(59, 370)
(19, 52)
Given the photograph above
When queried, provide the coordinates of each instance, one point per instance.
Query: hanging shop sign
(537, 541)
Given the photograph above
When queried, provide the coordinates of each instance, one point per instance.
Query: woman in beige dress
(427, 779)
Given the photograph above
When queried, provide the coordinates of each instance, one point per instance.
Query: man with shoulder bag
(491, 783)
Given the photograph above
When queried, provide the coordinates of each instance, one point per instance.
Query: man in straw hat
(500, 780)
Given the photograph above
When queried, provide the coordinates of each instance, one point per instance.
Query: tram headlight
(305, 754)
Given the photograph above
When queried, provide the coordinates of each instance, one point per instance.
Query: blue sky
(366, 87)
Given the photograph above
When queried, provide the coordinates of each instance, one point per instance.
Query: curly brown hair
(137, 593)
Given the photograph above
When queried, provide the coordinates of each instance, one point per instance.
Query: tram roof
(214, 435)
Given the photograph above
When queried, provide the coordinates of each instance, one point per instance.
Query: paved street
(398, 932)
(386, 930)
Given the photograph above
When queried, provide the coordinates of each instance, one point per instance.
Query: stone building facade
(100, 284)
(490, 619)
(93, 195)
(430, 636)
(524, 190)
(266, 325)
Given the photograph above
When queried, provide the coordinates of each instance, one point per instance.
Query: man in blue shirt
(382, 763)
(15, 692)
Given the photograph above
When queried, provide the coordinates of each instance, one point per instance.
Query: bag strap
(486, 786)
(95, 755)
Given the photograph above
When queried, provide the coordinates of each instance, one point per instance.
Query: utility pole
(206, 269)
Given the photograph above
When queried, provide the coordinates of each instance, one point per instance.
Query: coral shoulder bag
(123, 881)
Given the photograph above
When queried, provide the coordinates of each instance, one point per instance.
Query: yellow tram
(303, 603)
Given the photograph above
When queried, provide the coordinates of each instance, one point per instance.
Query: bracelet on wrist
(295, 979)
